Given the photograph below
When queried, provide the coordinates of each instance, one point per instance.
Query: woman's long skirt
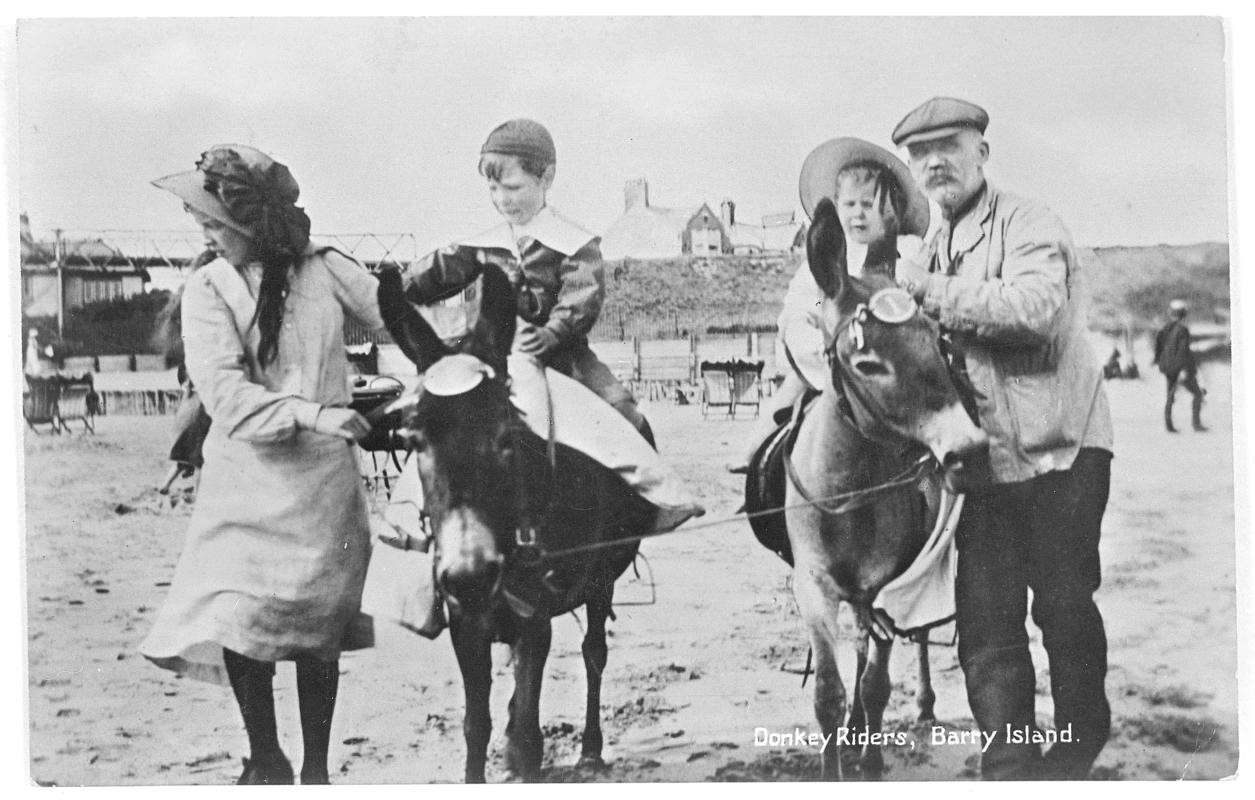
(274, 561)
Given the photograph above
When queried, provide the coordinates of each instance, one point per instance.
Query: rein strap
(856, 498)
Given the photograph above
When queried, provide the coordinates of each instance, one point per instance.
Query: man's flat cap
(938, 117)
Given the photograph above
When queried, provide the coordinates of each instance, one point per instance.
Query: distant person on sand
(191, 421)
(1176, 362)
(34, 359)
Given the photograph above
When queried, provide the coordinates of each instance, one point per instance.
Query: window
(96, 290)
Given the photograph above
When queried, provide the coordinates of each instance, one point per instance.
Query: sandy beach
(692, 675)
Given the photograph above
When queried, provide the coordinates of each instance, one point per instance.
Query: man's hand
(913, 277)
(537, 342)
(343, 422)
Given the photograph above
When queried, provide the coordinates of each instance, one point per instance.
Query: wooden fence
(139, 402)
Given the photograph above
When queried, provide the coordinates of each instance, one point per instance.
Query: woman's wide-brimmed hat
(819, 178)
(247, 190)
(197, 187)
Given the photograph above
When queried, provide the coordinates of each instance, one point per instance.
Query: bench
(57, 400)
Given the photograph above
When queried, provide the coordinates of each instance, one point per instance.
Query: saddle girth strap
(846, 501)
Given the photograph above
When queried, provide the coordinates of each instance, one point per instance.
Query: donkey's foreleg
(857, 721)
(925, 698)
(525, 747)
(472, 644)
(874, 687)
(595, 655)
(818, 602)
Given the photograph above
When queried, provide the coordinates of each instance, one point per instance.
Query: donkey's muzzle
(961, 448)
(471, 583)
(969, 468)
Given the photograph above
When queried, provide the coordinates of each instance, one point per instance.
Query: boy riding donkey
(565, 394)
(554, 264)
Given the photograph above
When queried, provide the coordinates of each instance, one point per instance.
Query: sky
(1118, 124)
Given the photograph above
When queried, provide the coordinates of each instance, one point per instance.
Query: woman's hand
(343, 422)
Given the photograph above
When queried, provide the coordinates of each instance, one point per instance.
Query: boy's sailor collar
(548, 227)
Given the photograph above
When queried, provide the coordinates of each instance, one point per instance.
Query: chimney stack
(635, 193)
(727, 212)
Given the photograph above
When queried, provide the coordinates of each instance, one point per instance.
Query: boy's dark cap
(521, 137)
(937, 118)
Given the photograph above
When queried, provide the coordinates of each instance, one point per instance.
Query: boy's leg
(171, 476)
(586, 368)
(785, 396)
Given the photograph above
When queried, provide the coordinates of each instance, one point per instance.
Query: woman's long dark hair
(262, 197)
(271, 298)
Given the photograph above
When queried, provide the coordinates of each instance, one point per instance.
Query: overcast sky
(1119, 124)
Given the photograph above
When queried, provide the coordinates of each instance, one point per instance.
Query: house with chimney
(649, 231)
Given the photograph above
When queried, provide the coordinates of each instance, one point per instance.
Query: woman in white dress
(276, 552)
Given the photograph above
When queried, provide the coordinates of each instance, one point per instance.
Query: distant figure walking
(34, 360)
(1176, 362)
(191, 422)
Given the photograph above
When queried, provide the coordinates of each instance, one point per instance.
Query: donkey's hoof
(871, 769)
(519, 767)
(315, 777)
(592, 761)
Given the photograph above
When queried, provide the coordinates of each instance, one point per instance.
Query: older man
(1002, 275)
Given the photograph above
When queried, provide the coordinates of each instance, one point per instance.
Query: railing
(143, 249)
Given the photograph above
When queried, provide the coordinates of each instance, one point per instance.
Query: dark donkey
(500, 500)
(866, 439)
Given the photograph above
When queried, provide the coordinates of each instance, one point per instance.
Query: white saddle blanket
(585, 422)
(923, 595)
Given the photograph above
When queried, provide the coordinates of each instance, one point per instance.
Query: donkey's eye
(870, 368)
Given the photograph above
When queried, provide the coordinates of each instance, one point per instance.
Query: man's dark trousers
(1041, 534)
(1188, 379)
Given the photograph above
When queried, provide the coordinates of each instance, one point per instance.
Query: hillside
(1132, 285)
(664, 298)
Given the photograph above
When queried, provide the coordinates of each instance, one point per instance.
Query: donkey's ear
(498, 310)
(407, 327)
(825, 249)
